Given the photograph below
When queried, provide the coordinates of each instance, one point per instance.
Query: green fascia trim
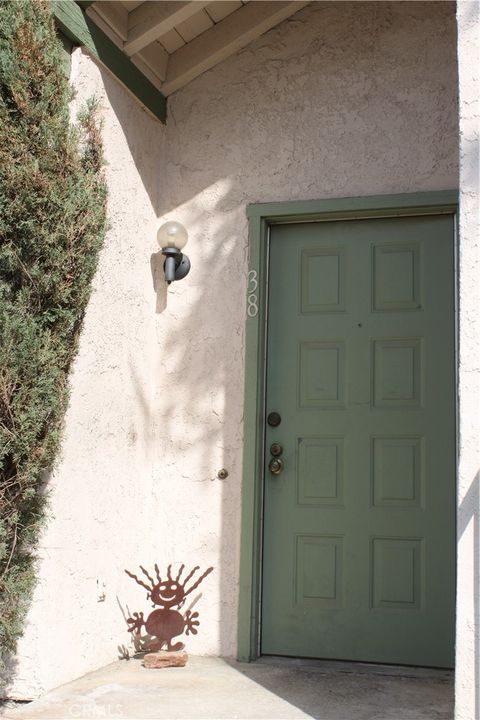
(77, 26)
(252, 490)
(261, 216)
(352, 206)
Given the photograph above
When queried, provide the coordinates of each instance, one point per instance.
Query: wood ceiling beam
(155, 58)
(112, 19)
(152, 19)
(113, 13)
(81, 30)
(224, 39)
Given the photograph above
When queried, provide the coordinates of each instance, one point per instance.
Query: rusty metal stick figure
(165, 623)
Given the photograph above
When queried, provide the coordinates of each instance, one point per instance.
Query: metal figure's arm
(191, 623)
(137, 622)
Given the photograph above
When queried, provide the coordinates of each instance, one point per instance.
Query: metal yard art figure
(165, 623)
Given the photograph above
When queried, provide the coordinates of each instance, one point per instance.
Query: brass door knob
(275, 466)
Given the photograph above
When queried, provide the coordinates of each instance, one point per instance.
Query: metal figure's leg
(175, 648)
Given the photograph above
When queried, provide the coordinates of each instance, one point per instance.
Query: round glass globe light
(172, 234)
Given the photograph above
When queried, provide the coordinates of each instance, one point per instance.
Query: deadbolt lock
(274, 419)
(276, 449)
(275, 466)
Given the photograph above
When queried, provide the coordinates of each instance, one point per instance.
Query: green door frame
(261, 217)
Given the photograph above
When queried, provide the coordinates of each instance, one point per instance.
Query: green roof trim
(72, 21)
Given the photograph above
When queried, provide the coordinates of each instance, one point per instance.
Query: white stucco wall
(98, 519)
(467, 690)
(343, 99)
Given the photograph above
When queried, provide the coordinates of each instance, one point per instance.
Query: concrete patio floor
(273, 688)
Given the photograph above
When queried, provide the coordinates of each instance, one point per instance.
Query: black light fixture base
(176, 265)
(183, 267)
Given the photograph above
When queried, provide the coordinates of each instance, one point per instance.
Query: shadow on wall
(139, 150)
(469, 513)
(199, 374)
(207, 348)
(145, 164)
(194, 377)
(7, 677)
(159, 285)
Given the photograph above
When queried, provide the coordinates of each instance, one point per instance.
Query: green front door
(359, 534)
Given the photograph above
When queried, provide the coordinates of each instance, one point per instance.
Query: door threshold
(358, 668)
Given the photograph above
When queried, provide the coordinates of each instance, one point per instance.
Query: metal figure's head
(169, 593)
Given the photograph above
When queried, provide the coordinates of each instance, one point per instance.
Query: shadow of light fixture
(172, 238)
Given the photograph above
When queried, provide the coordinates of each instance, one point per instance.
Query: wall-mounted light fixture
(172, 238)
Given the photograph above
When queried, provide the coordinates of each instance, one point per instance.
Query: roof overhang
(156, 47)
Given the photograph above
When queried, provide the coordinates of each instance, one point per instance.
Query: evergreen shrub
(52, 225)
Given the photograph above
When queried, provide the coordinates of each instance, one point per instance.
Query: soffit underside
(171, 43)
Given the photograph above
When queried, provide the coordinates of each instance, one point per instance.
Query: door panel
(359, 527)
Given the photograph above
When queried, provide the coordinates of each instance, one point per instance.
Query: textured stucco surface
(467, 691)
(343, 99)
(98, 522)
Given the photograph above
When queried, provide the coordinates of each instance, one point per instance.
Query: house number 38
(252, 298)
